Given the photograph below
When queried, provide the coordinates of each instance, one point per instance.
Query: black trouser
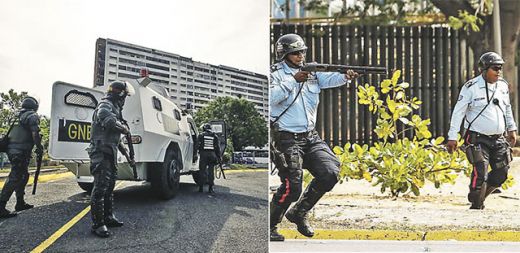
(102, 199)
(494, 152)
(308, 151)
(18, 177)
(208, 160)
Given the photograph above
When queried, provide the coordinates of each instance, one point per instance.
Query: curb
(42, 172)
(44, 178)
(244, 170)
(435, 235)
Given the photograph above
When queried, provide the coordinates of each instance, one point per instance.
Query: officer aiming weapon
(130, 155)
(37, 173)
(317, 67)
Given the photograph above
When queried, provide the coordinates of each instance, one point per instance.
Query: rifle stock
(317, 67)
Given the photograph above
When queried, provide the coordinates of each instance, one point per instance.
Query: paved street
(234, 220)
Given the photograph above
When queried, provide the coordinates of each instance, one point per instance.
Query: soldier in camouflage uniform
(107, 127)
(209, 149)
(24, 135)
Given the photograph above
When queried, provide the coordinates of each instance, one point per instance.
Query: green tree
(246, 127)
(10, 104)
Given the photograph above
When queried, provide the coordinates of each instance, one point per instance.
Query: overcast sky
(45, 41)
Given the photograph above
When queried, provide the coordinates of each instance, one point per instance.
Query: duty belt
(492, 136)
(289, 135)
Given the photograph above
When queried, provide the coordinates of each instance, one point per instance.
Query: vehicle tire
(86, 187)
(166, 176)
(195, 175)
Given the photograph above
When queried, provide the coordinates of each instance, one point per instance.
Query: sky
(45, 41)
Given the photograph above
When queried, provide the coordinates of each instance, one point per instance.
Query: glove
(122, 128)
(452, 146)
(131, 162)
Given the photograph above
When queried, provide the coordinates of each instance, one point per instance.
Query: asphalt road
(391, 246)
(233, 220)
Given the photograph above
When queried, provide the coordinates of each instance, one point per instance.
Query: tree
(10, 104)
(246, 127)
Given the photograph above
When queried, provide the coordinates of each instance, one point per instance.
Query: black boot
(22, 205)
(110, 219)
(4, 213)
(101, 231)
(210, 189)
(98, 227)
(298, 213)
(275, 217)
(474, 198)
(201, 188)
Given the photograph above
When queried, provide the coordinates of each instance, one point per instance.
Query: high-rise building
(185, 81)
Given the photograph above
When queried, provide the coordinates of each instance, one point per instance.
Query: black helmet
(206, 127)
(287, 44)
(30, 103)
(120, 89)
(488, 59)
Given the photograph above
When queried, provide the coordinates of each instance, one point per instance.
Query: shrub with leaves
(396, 163)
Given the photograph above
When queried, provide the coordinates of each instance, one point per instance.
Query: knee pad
(327, 182)
(497, 178)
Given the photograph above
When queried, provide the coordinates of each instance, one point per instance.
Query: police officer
(107, 127)
(485, 108)
(294, 101)
(24, 135)
(209, 149)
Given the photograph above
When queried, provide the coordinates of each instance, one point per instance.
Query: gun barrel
(315, 67)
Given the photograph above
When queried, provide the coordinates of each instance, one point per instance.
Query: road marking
(244, 170)
(45, 244)
(438, 235)
(44, 178)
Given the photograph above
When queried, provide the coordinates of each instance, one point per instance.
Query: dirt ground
(358, 205)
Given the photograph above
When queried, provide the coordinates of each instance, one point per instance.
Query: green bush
(396, 163)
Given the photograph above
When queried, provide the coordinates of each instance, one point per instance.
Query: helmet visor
(130, 91)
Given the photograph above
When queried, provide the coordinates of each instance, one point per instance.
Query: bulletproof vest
(105, 135)
(20, 136)
(206, 142)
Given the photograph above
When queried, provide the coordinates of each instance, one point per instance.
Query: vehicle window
(81, 99)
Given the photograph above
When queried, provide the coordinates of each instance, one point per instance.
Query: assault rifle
(317, 67)
(37, 173)
(131, 153)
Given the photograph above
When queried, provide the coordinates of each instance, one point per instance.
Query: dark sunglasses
(298, 52)
(496, 68)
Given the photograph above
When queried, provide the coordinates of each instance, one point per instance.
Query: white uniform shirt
(471, 102)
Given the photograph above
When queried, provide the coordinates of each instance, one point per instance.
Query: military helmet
(287, 44)
(488, 59)
(206, 127)
(30, 103)
(120, 89)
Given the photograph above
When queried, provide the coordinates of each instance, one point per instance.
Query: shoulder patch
(469, 83)
(274, 68)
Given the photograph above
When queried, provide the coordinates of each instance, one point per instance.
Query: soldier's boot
(110, 219)
(98, 228)
(298, 213)
(210, 189)
(201, 188)
(474, 198)
(22, 205)
(4, 213)
(275, 217)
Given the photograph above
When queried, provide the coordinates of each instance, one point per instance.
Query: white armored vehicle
(164, 136)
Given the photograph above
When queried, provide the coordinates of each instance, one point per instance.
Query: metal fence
(432, 59)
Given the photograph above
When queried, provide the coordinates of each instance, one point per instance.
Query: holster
(277, 157)
(474, 153)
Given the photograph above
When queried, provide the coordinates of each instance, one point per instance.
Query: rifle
(130, 156)
(317, 67)
(221, 170)
(37, 173)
